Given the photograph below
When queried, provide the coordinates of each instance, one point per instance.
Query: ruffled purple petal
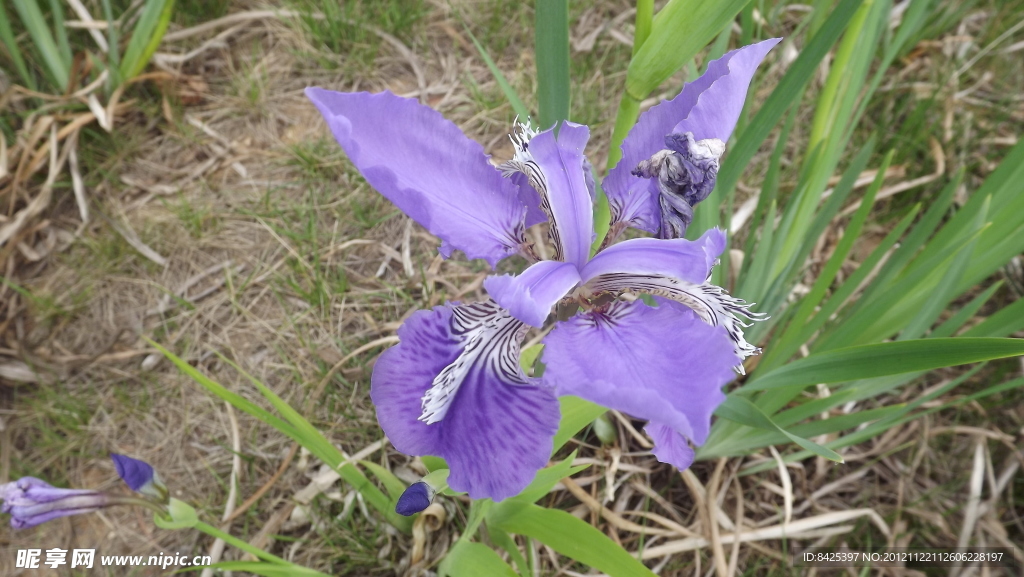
(682, 259)
(716, 110)
(530, 295)
(663, 363)
(429, 169)
(669, 446)
(496, 425)
(709, 107)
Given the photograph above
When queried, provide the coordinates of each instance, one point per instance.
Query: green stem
(644, 18)
(240, 544)
(136, 502)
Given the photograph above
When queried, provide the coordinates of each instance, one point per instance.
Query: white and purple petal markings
(491, 338)
(555, 168)
(711, 303)
(461, 363)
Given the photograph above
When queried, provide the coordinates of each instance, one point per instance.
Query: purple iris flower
(139, 476)
(31, 501)
(453, 386)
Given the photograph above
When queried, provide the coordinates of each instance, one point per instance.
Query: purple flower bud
(31, 501)
(415, 499)
(139, 476)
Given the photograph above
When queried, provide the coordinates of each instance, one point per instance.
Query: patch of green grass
(191, 12)
(342, 28)
(198, 219)
(320, 160)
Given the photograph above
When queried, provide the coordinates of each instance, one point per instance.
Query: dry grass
(280, 257)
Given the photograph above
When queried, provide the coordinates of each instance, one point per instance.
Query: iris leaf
(742, 410)
(567, 535)
(881, 359)
(552, 55)
(467, 559)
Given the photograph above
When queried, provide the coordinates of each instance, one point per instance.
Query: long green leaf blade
(146, 37)
(32, 18)
(552, 44)
(510, 94)
(881, 359)
(741, 410)
(567, 535)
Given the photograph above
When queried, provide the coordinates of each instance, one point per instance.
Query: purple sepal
(662, 364)
(429, 169)
(498, 429)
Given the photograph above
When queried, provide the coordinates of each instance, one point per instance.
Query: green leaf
(42, 38)
(298, 429)
(680, 30)
(1005, 322)
(946, 289)
(950, 326)
(880, 359)
(467, 559)
(503, 540)
(576, 414)
(548, 477)
(7, 36)
(510, 94)
(741, 410)
(268, 569)
(317, 444)
(568, 536)
(551, 30)
(788, 342)
(182, 516)
(146, 37)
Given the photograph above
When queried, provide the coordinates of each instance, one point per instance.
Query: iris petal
(530, 295)
(678, 258)
(497, 429)
(659, 363)
(709, 107)
(558, 171)
(669, 446)
(676, 269)
(429, 169)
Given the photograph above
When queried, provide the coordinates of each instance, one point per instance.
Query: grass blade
(510, 94)
(7, 37)
(146, 37)
(41, 36)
